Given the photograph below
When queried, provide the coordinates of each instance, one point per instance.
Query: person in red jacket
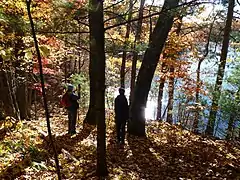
(121, 115)
(69, 101)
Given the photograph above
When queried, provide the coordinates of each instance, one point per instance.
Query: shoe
(72, 133)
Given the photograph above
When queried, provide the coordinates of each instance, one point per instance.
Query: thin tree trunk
(136, 125)
(160, 95)
(195, 122)
(221, 68)
(135, 53)
(98, 72)
(171, 78)
(123, 66)
(164, 69)
(170, 95)
(13, 102)
(13, 86)
(28, 3)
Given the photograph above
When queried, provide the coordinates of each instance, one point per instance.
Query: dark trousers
(120, 127)
(72, 118)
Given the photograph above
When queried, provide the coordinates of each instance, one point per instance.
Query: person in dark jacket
(121, 115)
(72, 106)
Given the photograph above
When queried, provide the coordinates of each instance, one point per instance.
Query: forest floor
(168, 152)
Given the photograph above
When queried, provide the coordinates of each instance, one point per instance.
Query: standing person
(69, 101)
(121, 115)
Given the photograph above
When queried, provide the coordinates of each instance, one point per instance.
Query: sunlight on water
(151, 109)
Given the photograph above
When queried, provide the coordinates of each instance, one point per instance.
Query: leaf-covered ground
(168, 152)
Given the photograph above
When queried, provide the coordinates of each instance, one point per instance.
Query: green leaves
(28, 54)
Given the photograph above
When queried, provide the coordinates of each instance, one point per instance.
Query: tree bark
(91, 114)
(91, 117)
(98, 73)
(14, 108)
(221, 68)
(160, 95)
(171, 79)
(135, 53)
(136, 125)
(170, 95)
(123, 66)
(198, 72)
(28, 3)
(195, 122)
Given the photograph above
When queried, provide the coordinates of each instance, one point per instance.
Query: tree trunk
(170, 95)
(198, 72)
(28, 3)
(136, 125)
(91, 117)
(22, 95)
(171, 78)
(160, 96)
(221, 68)
(13, 110)
(123, 66)
(98, 72)
(22, 100)
(91, 114)
(195, 122)
(135, 53)
(150, 21)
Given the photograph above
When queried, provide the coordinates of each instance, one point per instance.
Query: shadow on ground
(166, 153)
(66, 147)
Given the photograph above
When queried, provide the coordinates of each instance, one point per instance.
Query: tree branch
(62, 32)
(157, 13)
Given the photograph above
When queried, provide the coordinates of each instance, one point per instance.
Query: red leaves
(45, 70)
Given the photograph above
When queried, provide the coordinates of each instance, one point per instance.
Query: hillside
(168, 152)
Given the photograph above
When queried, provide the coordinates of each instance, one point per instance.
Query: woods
(176, 61)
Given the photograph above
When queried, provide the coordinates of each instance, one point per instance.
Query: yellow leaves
(230, 156)
(168, 152)
(16, 7)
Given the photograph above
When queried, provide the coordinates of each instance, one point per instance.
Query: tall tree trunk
(164, 69)
(98, 72)
(123, 66)
(171, 78)
(198, 81)
(91, 117)
(91, 114)
(195, 122)
(135, 53)
(160, 95)
(28, 3)
(170, 95)
(150, 21)
(221, 68)
(136, 125)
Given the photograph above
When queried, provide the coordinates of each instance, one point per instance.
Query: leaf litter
(167, 152)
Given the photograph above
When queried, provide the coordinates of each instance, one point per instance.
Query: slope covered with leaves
(168, 152)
